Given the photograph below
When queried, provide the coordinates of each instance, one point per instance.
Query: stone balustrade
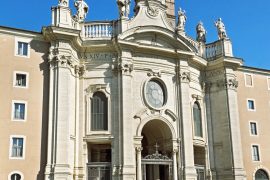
(214, 50)
(98, 30)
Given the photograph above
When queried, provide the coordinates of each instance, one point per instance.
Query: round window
(154, 94)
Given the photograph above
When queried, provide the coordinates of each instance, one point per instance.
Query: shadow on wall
(43, 48)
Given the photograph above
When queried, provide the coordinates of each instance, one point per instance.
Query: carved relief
(97, 87)
(124, 67)
(154, 73)
(79, 70)
(196, 97)
(185, 76)
(152, 11)
(231, 83)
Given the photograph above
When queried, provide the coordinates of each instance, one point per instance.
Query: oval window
(155, 94)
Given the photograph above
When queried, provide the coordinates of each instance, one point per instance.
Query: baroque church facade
(135, 99)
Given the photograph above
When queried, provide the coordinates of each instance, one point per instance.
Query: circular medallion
(154, 94)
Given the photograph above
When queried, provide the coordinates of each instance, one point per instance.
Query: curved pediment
(154, 36)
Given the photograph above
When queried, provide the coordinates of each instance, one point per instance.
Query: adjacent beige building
(131, 99)
(24, 98)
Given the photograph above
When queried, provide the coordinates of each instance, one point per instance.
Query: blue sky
(247, 22)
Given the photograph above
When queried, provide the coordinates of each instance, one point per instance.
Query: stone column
(175, 177)
(139, 162)
(186, 122)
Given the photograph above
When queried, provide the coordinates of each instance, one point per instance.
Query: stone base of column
(240, 174)
(129, 173)
(190, 173)
(79, 173)
(58, 172)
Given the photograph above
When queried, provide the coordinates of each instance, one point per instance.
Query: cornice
(21, 33)
(225, 61)
(254, 70)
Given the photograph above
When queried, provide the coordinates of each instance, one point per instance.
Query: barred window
(99, 112)
(197, 120)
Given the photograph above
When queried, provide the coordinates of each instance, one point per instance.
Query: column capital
(138, 149)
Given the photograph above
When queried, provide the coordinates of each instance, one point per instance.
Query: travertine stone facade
(132, 99)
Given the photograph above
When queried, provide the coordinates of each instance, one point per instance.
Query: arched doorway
(157, 153)
(261, 175)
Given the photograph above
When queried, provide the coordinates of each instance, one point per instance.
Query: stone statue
(82, 10)
(63, 3)
(201, 33)
(124, 8)
(181, 20)
(221, 29)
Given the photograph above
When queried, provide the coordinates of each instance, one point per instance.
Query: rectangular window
(19, 111)
(248, 80)
(22, 48)
(253, 128)
(17, 147)
(251, 105)
(21, 80)
(255, 153)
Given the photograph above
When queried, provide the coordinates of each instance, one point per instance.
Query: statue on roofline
(124, 8)
(82, 10)
(221, 29)
(63, 3)
(201, 33)
(182, 18)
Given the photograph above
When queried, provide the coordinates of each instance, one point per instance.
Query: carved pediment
(156, 37)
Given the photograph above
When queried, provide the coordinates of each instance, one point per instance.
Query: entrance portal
(157, 163)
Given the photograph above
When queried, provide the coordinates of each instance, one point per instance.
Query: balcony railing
(201, 173)
(99, 171)
(98, 30)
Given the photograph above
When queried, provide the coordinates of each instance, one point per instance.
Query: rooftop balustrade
(217, 49)
(98, 30)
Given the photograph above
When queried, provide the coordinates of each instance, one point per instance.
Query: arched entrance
(157, 151)
(261, 175)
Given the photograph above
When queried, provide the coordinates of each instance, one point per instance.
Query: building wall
(260, 93)
(34, 128)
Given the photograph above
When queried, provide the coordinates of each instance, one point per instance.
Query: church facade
(131, 99)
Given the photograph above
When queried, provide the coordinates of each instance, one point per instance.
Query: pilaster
(223, 122)
(124, 68)
(189, 172)
(63, 107)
